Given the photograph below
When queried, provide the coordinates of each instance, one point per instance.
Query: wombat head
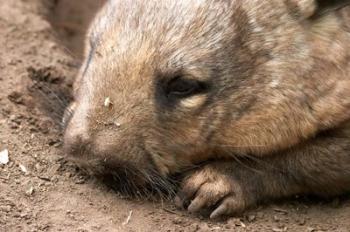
(169, 84)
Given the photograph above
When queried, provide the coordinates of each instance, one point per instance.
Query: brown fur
(273, 122)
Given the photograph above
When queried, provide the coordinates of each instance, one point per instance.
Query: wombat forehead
(131, 34)
(160, 22)
(167, 19)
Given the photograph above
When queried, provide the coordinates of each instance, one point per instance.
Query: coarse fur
(270, 120)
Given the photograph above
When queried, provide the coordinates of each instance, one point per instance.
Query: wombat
(249, 100)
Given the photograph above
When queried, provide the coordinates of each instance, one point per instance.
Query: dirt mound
(39, 190)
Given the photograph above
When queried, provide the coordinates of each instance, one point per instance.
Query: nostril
(76, 145)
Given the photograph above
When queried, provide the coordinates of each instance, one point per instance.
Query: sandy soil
(40, 191)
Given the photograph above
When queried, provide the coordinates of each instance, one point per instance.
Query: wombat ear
(315, 8)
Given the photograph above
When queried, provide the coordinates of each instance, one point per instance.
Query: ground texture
(39, 191)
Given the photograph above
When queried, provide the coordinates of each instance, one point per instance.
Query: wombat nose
(76, 144)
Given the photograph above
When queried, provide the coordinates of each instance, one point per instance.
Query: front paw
(214, 187)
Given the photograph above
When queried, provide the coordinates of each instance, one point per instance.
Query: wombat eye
(180, 87)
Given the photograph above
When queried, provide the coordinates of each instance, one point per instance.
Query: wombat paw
(214, 190)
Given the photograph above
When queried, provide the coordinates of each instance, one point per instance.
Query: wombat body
(251, 96)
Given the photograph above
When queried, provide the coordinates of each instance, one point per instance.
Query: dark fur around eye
(180, 87)
(170, 89)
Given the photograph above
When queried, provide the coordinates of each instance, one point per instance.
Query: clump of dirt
(40, 190)
(51, 89)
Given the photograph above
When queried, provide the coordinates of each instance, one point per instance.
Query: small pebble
(251, 218)
(30, 191)
(23, 169)
(4, 157)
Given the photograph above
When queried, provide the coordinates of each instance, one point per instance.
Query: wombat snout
(75, 143)
(127, 168)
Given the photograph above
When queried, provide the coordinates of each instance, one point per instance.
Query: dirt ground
(41, 45)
